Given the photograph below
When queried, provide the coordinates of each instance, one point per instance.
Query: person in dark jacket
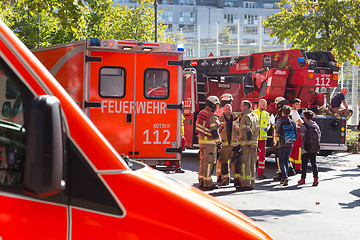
(306, 156)
(284, 148)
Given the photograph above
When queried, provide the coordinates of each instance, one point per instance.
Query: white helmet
(278, 99)
(226, 97)
(213, 99)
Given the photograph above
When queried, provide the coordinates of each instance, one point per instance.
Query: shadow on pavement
(353, 204)
(259, 215)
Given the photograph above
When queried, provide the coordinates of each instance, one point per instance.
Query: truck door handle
(92, 104)
(128, 118)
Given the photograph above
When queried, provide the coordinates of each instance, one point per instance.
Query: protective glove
(219, 146)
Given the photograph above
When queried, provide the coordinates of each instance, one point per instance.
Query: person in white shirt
(295, 155)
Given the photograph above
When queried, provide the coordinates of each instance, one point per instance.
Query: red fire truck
(130, 90)
(289, 73)
(60, 179)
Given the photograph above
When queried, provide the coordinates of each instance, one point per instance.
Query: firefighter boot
(301, 181)
(316, 182)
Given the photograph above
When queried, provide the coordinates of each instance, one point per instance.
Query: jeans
(305, 159)
(284, 154)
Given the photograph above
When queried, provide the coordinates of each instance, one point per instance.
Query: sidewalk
(340, 159)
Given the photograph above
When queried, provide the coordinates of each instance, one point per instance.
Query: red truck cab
(61, 179)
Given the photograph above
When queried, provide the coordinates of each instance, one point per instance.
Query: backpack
(289, 132)
(311, 140)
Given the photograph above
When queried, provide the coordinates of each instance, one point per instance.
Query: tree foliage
(225, 35)
(319, 25)
(40, 23)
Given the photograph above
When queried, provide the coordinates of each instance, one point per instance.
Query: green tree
(315, 25)
(225, 35)
(40, 23)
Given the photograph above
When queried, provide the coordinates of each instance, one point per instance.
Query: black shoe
(261, 177)
(278, 177)
(219, 179)
(286, 182)
(179, 170)
(232, 180)
(212, 187)
(298, 171)
(224, 183)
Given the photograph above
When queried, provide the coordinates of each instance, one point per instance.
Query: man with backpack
(285, 135)
(310, 133)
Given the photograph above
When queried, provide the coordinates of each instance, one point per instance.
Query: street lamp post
(155, 8)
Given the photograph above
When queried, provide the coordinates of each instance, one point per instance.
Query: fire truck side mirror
(6, 109)
(44, 163)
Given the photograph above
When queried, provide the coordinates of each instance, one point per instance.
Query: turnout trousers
(224, 161)
(207, 159)
(295, 155)
(261, 161)
(248, 166)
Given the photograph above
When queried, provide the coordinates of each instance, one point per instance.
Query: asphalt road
(328, 211)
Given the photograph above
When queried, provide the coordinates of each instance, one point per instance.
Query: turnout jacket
(207, 127)
(224, 132)
(249, 128)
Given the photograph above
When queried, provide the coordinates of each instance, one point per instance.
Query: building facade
(221, 23)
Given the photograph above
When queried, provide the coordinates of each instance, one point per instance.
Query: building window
(250, 41)
(230, 18)
(169, 2)
(112, 82)
(250, 19)
(189, 53)
(230, 4)
(166, 16)
(249, 4)
(156, 83)
(186, 2)
(269, 5)
(224, 52)
(251, 30)
(187, 17)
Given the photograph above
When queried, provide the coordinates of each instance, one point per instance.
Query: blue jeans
(284, 154)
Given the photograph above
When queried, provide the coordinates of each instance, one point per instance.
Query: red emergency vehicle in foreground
(131, 91)
(61, 179)
(288, 73)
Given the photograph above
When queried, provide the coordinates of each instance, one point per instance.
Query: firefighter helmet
(226, 97)
(212, 101)
(278, 99)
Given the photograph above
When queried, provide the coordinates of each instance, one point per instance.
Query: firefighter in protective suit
(229, 134)
(226, 98)
(249, 132)
(207, 128)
